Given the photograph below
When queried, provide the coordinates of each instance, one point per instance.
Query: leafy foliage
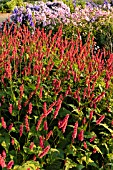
(56, 101)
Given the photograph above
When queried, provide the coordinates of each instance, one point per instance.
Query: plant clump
(55, 101)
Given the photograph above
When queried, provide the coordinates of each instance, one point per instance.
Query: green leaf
(69, 164)
(105, 126)
(93, 164)
(63, 112)
(55, 165)
(56, 153)
(5, 140)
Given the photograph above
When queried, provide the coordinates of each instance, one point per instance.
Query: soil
(3, 16)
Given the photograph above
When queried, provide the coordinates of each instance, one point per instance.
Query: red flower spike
(45, 109)
(4, 154)
(39, 122)
(12, 141)
(91, 114)
(41, 142)
(92, 139)
(10, 164)
(21, 90)
(2, 162)
(81, 135)
(30, 108)
(84, 121)
(40, 94)
(100, 119)
(31, 145)
(85, 145)
(3, 123)
(27, 123)
(74, 135)
(63, 123)
(45, 125)
(21, 129)
(44, 152)
(10, 126)
(19, 105)
(10, 108)
(49, 135)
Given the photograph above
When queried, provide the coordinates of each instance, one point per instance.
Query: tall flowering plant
(55, 101)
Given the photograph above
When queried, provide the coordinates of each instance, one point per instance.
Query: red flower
(2, 162)
(10, 164)
(21, 129)
(45, 125)
(92, 139)
(63, 123)
(39, 122)
(100, 119)
(41, 142)
(49, 134)
(4, 154)
(27, 123)
(21, 90)
(12, 141)
(3, 123)
(31, 145)
(85, 145)
(74, 135)
(91, 114)
(10, 126)
(81, 135)
(44, 152)
(30, 108)
(10, 108)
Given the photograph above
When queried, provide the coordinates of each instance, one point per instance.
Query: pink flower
(21, 129)
(81, 135)
(39, 122)
(12, 141)
(4, 154)
(85, 145)
(31, 145)
(91, 114)
(45, 125)
(10, 108)
(21, 90)
(27, 123)
(2, 162)
(41, 142)
(10, 164)
(74, 135)
(49, 134)
(45, 108)
(44, 152)
(3, 123)
(10, 126)
(92, 139)
(63, 123)
(30, 108)
(100, 119)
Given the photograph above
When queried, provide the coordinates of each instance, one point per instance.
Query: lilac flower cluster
(88, 14)
(42, 14)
